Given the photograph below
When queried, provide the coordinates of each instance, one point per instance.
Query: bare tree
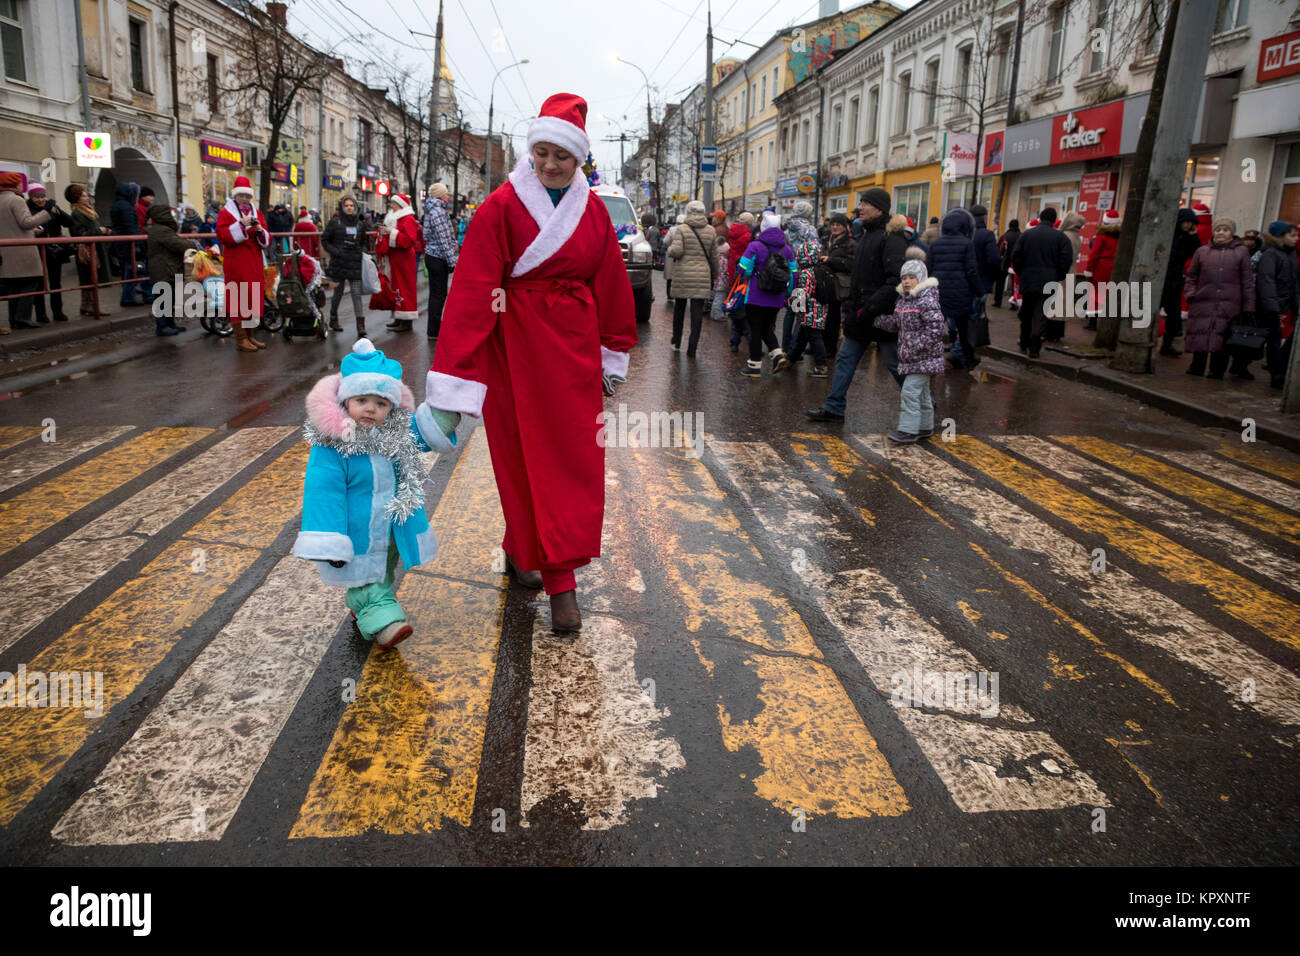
(400, 112)
(275, 67)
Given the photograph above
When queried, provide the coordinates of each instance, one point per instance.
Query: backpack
(826, 289)
(290, 293)
(775, 274)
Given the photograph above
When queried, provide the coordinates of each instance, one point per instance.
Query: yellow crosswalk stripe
(405, 757)
(815, 752)
(1205, 493)
(129, 633)
(1271, 462)
(11, 435)
(28, 514)
(1271, 615)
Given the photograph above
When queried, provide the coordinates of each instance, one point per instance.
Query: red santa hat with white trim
(242, 185)
(562, 121)
(1110, 218)
(403, 201)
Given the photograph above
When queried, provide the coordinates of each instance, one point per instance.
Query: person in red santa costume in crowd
(241, 230)
(1100, 261)
(1204, 225)
(402, 240)
(310, 243)
(533, 366)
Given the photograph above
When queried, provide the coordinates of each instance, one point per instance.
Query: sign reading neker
(1279, 56)
(1087, 134)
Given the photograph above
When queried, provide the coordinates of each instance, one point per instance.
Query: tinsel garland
(392, 440)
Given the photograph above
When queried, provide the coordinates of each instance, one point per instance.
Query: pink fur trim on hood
(330, 417)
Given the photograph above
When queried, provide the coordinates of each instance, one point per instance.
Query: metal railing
(275, 251)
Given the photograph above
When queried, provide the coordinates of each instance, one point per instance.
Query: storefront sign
(1278, 57)
(333, 182)
(958, 155)
(994, 145)
(1028, 145)
(1105, 200)
(364, 184)
(290, 150)
(94, 149)
(1267, 111)
(365, 169)
(837, 182)
(382, 188)
(220, 154)
(1092, 188)
(1088, 134)
(788, 186)
(806, 184)
(289, 173)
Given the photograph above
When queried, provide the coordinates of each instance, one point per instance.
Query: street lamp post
(649, 126)
(491, 103)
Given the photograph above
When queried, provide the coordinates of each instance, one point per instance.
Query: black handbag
(977, 330)
(1247, 339)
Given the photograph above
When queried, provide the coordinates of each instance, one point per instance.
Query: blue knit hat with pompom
(367, 371)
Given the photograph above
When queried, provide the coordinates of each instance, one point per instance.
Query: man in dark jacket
(55, 256)
(1186, 242)
(1042, 255)
(987, 257)
(124, 221)
(345, 239)
(953, 261)
(1005, 247)
(1277, 292)
(167, 266)
(876, 268)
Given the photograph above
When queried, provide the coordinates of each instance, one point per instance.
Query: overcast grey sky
(570, 47)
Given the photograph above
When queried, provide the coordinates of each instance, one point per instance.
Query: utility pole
(1159, 173)
(431, 169)
(708, 106)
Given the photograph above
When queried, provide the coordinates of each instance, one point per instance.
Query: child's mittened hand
(447, 421)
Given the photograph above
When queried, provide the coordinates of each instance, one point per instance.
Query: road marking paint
(1277, 492)
(43, 456)
(1285, 468)
(815, 752)
(11, 435)
(182, 776)
(1270, 614)
(36, 589)
(405, 757)
(1144, 614)
(33, 511)
(131, 631)
(1184, 483)
(1160, 510)
(889, 637)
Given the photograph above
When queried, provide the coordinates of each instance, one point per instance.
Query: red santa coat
(401, 251)
(309, 244)
(531, 363)
(242, 260)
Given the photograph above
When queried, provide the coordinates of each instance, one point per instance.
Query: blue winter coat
(755, 257)
(345, 495)
(952, 261)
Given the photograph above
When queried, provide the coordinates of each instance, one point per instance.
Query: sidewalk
(1207, 402)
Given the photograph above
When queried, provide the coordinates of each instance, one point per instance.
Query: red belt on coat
(554, 288)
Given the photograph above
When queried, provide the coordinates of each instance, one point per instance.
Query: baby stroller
(299, 297)
(204, 266)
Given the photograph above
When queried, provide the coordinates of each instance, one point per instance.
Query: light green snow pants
(375, 605)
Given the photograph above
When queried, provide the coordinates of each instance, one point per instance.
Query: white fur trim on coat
(237, 231)
(451, 394)
(613, 363)
(323, 546)
(552, 129)
(557, 223)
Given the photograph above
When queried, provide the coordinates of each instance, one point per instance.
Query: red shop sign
(994, 147)
(1088, 134)
(1279, 56)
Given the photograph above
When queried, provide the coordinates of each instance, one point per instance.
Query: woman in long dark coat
(1219, 287)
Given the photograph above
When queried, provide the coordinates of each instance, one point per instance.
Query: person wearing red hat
(241, 230)
(401, 241)
(310, 243)
(1100, 261)
(532, 363)
(1204, 222)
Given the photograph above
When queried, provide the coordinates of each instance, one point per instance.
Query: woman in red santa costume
(540, 312)
(402, 241)
(241, 230)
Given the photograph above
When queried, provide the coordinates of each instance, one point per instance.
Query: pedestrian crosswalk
(818, 626)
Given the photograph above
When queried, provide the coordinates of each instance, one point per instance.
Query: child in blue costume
(363, 495)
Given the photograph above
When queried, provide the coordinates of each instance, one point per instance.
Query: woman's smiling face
(554, 165)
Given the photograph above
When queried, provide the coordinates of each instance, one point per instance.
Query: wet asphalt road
(752, 636)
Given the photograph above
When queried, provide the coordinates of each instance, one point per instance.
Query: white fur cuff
(452, 394)
(613, 363)
(323, 546)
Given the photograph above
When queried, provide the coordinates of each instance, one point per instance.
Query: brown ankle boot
(565, 616)
(242, 343)
(248, 334)
(529, 579)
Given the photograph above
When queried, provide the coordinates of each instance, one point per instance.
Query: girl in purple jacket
(919, 322)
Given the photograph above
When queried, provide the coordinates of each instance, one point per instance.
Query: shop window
(838, 204)
(1231, 14)
(961, 194)
(1101, 22)
(913, 201)
(11, 40)
(136, 30)
(1288, 209)
(1199, 181)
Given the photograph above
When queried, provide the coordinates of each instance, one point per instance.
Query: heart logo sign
(93, 143)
